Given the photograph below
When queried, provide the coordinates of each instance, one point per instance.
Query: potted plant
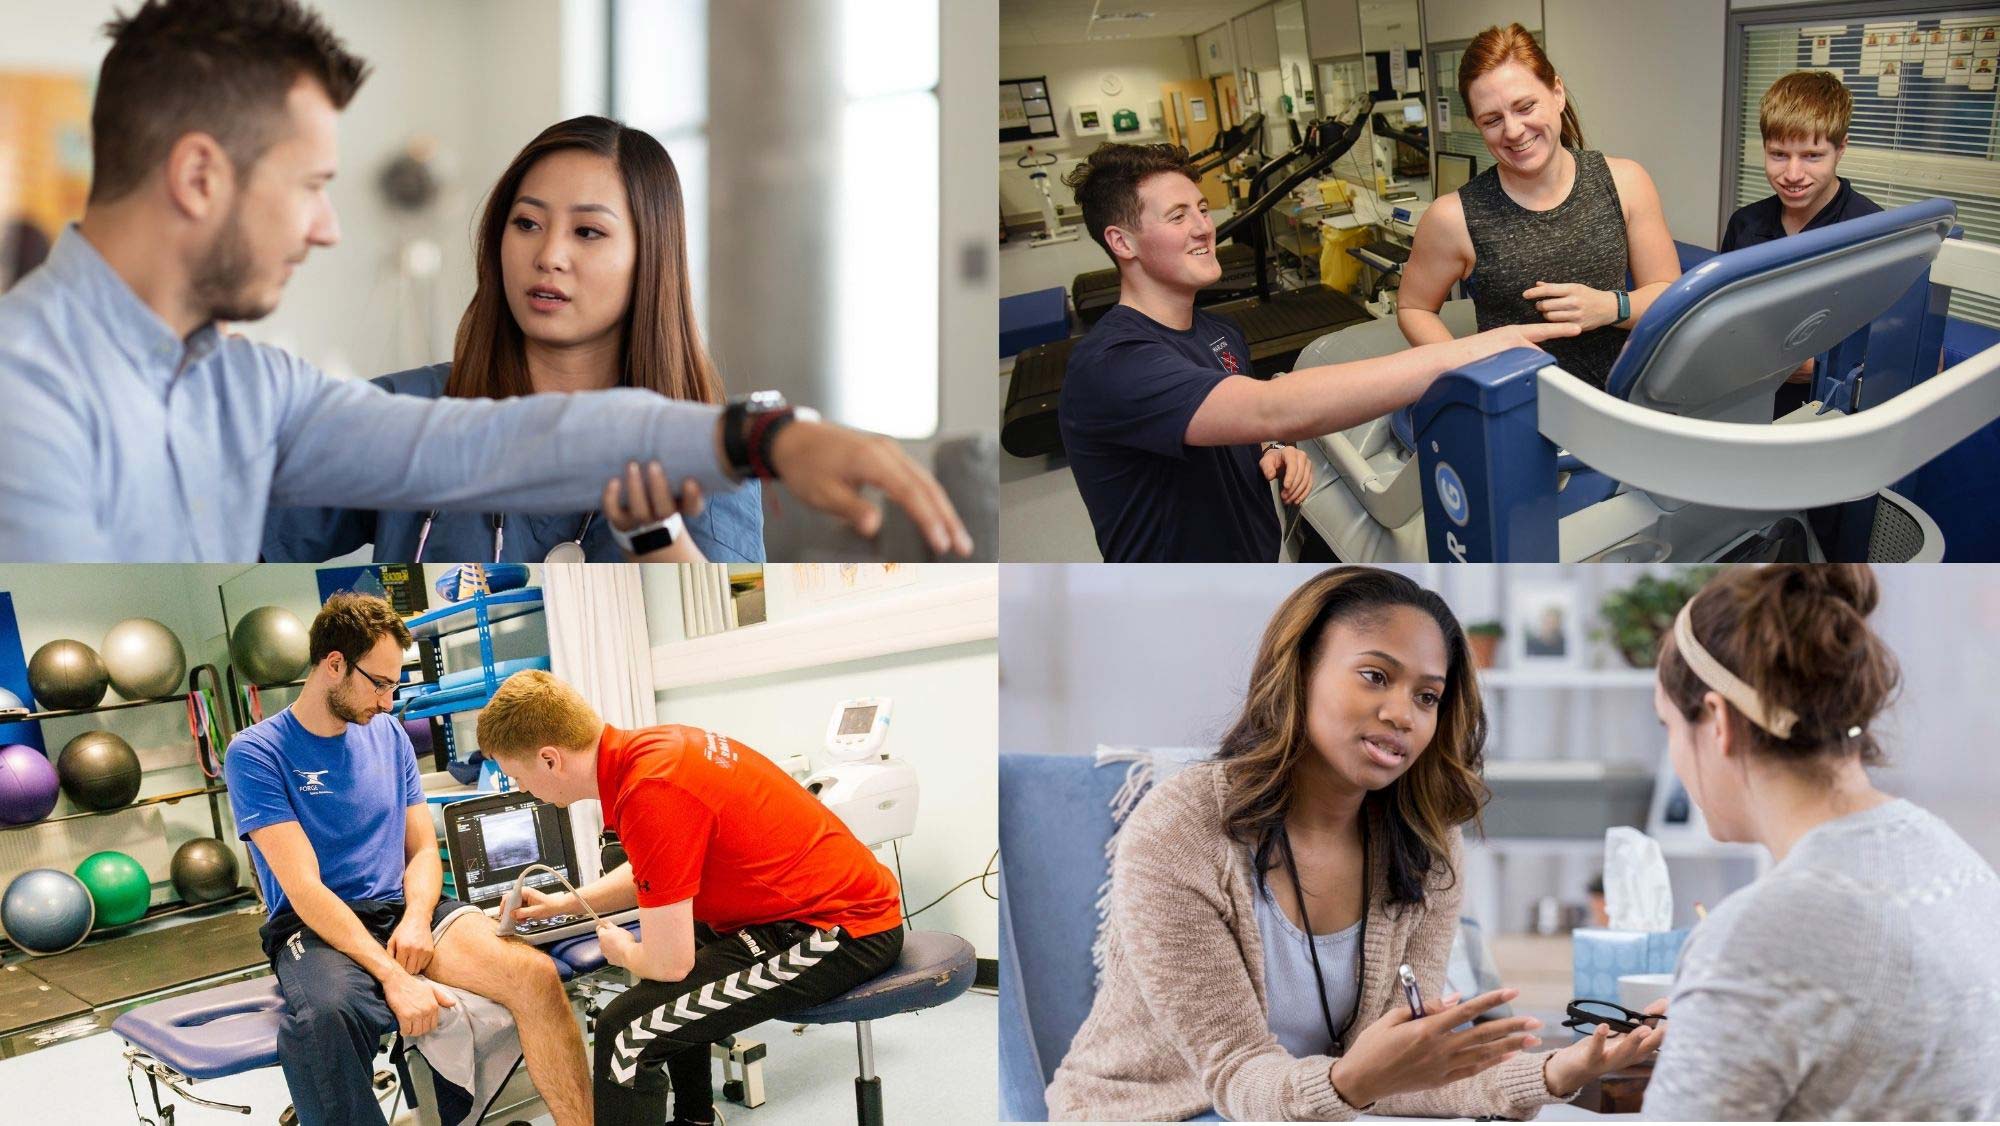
(1484, 638)
(1637, 616)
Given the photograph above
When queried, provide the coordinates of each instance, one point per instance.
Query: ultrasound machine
(491, 840)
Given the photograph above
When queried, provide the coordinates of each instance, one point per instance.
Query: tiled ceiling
(1029, 23)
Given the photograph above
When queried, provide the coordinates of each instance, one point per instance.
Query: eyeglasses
(380, 684)
(1585, 1013)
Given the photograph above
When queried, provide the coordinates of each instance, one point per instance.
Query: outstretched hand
(826, 466)
(1601, 1052)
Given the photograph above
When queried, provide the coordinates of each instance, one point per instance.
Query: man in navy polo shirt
(1172, 441)
(328, 796)
(1804, 119)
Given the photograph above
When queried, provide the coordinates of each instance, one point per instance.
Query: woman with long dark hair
(1550, 231)
(582, 285)
(1263, 901)
(1852, 980)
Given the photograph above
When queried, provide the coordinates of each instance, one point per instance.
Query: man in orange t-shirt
(754, 899)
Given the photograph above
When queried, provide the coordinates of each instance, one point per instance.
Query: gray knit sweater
(1859, 979)
(1181, 1021)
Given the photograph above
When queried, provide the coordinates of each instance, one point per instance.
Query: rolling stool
(933, 968)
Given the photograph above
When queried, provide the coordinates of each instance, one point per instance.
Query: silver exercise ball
(144, 659)
(67, 674)
(269, 646)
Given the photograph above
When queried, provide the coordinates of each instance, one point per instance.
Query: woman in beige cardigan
(1335, 799)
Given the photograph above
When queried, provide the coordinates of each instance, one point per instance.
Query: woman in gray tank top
(1550, 230)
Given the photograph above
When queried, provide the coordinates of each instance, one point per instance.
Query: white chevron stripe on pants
(742, 985)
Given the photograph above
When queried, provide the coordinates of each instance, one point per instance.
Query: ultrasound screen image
(509, 839)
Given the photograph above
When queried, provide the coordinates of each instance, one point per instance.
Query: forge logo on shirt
(1230, 364)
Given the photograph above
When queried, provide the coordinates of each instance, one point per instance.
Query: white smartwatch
(648, 538)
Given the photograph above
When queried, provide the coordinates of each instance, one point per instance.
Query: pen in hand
(1410, 991)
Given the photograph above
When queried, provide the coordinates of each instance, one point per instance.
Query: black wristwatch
(648, 538)
(749, 426)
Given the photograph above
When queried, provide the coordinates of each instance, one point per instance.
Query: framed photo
(1545, 626)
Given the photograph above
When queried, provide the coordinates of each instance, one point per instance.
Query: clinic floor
(937, 1066)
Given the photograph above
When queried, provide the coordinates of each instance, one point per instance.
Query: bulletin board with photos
(1027, 113)
(1919, 84)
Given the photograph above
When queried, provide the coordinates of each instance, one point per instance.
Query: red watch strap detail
(754, 443)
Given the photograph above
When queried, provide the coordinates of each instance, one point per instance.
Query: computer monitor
(1454, 170)
(491, 839)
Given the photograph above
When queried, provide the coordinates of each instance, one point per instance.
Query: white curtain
(598, 644)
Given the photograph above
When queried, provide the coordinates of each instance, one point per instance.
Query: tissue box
(1598, 957)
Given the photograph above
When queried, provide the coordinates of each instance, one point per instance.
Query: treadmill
(1277, 324)
(1094, 292)
(1416, 138)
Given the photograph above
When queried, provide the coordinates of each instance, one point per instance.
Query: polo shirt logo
(1230, 364)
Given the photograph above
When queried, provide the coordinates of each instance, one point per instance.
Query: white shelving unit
(1494, 862)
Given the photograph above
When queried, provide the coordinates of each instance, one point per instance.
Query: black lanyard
(1312, 948)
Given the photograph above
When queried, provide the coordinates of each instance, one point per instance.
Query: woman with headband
(1858, 978)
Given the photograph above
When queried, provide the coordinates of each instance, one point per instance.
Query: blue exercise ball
(9, 700)
(46, 911)
(28, 785)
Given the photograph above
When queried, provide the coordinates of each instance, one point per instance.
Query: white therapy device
(873, 794)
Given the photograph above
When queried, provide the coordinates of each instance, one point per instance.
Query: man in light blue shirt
(133, 429)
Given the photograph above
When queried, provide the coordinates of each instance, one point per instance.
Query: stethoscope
(568, 551)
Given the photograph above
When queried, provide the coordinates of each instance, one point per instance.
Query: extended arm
(1321, 400)
(353, 444)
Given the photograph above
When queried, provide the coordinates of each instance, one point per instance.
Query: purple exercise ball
(28, 785)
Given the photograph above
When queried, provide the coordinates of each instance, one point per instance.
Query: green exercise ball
(66, 675)
(269, 646)
(117, 885)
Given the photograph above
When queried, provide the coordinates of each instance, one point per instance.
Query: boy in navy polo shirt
(1804, 119)
(327, 794)
(1171, 439)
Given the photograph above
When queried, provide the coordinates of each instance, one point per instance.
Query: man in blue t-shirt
(327, 794)
(1172, 440)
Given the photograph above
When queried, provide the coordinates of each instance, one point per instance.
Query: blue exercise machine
(1514, 459)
